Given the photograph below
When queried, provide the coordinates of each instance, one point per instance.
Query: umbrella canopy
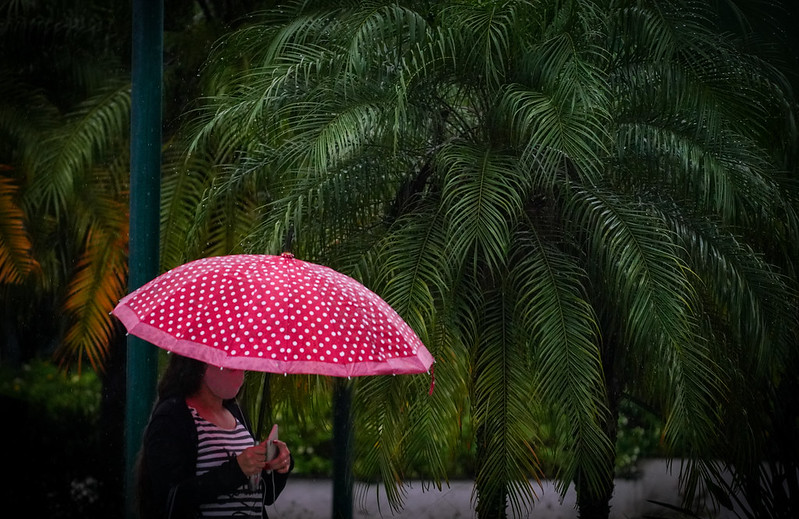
(273, 313)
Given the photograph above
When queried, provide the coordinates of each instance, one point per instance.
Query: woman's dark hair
(181, 378)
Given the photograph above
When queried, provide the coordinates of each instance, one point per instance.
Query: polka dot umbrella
(273, 313)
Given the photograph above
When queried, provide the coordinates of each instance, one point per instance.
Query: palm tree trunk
(593, 506)
(491, 506)
(596, 505)
(492, 500)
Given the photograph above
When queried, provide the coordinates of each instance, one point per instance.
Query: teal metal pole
(145, 200)
(342, 450)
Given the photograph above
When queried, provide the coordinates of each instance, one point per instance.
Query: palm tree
(65, 127)
(573, 203)
(64, 152)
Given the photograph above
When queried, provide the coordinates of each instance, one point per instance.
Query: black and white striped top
(216, 445)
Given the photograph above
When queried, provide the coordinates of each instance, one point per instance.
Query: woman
(198, 456)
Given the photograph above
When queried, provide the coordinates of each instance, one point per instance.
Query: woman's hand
(282, 462)
(252, 459)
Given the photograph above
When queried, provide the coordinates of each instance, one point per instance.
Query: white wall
(312, 499)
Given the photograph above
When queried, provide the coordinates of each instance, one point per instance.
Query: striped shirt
(216, 446)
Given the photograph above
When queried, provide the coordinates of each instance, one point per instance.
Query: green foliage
(64, 120)
(52, 392)
(56, 419)
(639, 437)
(310, 438)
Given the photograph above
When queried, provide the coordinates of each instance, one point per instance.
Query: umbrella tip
(288, 243)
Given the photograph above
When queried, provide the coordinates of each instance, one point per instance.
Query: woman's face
(224, 383)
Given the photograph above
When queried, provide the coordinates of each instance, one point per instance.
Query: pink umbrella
(275, 314)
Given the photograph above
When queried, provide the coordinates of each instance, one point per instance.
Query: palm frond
(565, 341)
(98, 284)
(402, 428)
(482, 195)
(487, 34)
(437, 415)
(204, 210)
(649, 282)
(182, 188)
(749, 296)
(380, 32)
(501, 403)
(16, 260)
(96, 127)
(556, 137)
(387, 404)
(727, 174)
(702, 133)
(413, 269)
(22, 127)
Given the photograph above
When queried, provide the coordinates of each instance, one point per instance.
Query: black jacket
(168, 484)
